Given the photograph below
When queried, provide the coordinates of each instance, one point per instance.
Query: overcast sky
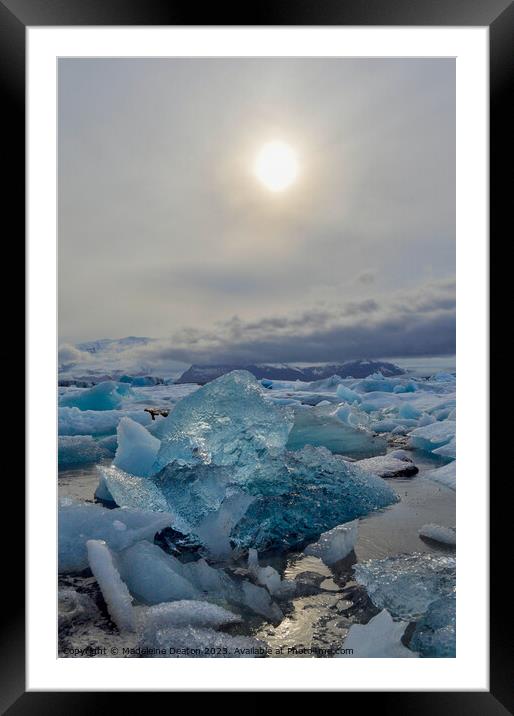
(165, 232)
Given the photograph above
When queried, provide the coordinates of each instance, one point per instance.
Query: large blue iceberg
(223, 472)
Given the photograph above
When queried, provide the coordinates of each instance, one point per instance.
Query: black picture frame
(498, 15)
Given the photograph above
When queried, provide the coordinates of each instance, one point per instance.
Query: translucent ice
(79, 450)
(130, 491)
(269, 577)
(114, 590)
(445, 475)
(379, 638)
(406, 585)
(153, 576)
(337, 429)
(120, 528)
(103, 396)
(259, 601)
(137, 448)
(448, 451)
(226, 422)
(73, 421)
(182, 614)
(445, 535)
(308, 493)
(347, 394)
(431, 437)
(434, 635)
(336, 544)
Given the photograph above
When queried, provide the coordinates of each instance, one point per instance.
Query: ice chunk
(103, 396)
(102, 492)
(136, 492)
(310, 493)
(295, 497)
(73, 421)
(445, 535)
(190, 642)
(137, 448)
(445, 475)
(183, 613)
(79, 523)
(226, 422)
(114, 590)
(389, 466)
(211, 581)
(259, 601)
(269, 577)
(406, 585)
(434, 635)
(336, 544)
(408, 410)
(79, 450)
(338, 430)
(431, 437)
(215, 529)
(347, 394)
(153, 576)
(379, 638)
(448, 451)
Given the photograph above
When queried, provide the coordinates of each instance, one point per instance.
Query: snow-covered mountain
(290, 371)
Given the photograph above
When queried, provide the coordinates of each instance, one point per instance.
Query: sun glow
(276, 166)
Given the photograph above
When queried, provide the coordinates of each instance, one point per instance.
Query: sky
(164, 230)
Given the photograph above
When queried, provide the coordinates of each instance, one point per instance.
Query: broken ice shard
(227, 422)
(336, 544)
(137, 448)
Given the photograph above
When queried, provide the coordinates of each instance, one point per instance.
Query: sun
(276, 166)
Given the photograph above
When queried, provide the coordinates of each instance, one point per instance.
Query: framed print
(258, 351)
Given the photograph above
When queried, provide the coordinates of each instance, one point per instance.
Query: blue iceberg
(104, 396)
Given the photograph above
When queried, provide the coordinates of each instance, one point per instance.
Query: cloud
(419, 322)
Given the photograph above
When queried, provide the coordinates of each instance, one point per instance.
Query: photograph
(256, 389)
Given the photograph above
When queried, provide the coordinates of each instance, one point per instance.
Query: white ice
(336, 544)
(445, 475)
(114, 590)
(79, 523)
(446, 535)
(379, 638)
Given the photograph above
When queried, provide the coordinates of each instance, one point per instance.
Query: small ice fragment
(379, 638)
(259, 601)
(445, 475)
(266, 576)
(114, 590)
(137, 448)
(336, 544)
(154, 576)
(446, 535)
